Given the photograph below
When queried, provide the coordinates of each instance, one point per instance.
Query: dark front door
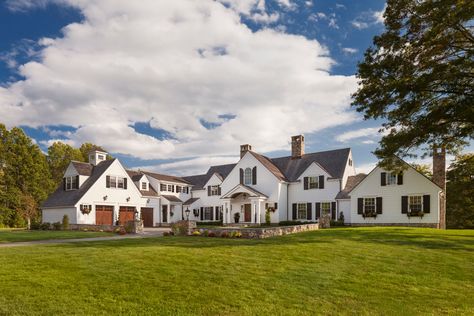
(147, 216)
(247, 212)
(164, 212)
(126, 214)
(104, 214)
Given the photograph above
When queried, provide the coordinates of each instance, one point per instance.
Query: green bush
(57, 226)
(219, 223)
(65, 222)
(45, 226)
(35, 225)
(268, 218)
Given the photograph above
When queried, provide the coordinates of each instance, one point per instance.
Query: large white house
(299, 187)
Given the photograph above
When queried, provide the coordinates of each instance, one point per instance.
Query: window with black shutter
(318, 210)
(294, 211)
(404, 204)
(426, 203)
(241, 176)
(383, 179)
(360, 206)
(309, 211)
(321, 182)
(400, 178)
(378, 205)
(254, 175)
(305, 183)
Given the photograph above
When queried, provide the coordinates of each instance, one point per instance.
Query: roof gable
(82, 168)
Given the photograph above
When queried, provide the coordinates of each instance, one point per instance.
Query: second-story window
(214, 190)
(162, 187)
(248, 176)
(71, 183)
(116, 182)
(144, 186)
(178, 189)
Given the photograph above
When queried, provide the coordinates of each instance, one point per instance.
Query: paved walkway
(148, 233)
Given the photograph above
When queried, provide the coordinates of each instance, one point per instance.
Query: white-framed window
(350, 162)
(369, 205)
(247, 176)
(178, 189)
(100, 157)
(415, 203)
(71, 183)
(113, 182)
(302, 211)
(163, 187)
(214, 190)
(207, 213)
(391, 178)
(120, 183)
(313, 182)
(116, 182)
(144, 186)
(170, 188)
(325, 207)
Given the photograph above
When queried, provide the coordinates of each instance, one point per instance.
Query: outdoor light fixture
(128, 199)
(105, 197)
(187, 213)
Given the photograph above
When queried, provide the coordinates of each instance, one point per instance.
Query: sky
(177, 86)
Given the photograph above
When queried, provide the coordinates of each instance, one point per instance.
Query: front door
(164, 212)
(147, 216)
(247, 213)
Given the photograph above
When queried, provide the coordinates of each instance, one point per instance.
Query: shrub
(45, 226)
(205, 233)
(196, 233)
(225, 235)
(57, 225)
(35, 225)
(237, 234)
(122, 231)
(211, 234)
(166, 234)
(219, 223)
(65, 222)
(268, 218)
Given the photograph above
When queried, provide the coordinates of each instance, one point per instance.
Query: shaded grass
(16, 235)
(388, 271)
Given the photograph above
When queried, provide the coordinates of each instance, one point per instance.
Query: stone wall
(262, 232)
(94, 228)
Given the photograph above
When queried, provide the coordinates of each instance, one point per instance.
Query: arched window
(248, 176)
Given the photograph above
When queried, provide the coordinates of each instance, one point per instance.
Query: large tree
(59, 157)
(418, 77)
(460, 189)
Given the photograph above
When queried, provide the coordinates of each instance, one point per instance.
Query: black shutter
(383, 179)
(400, 178)
(217, 213)
(202, 213)
(333, 209)
(219, 190)
(208, 190)
(241, 176)
(321, 182)
(254, 175)
(404, 204)
(107, 181)
(426, 203)
(305, 183)
(318, 210)
(172, 188)
(77, 182)
(309, 211)
(212, 213)
(125, 183)
(360, 205)
(378, 202)
(276, 205)
(294, 211)
(64, 184)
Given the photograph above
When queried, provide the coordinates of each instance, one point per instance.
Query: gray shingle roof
(190, 201)
(352, 181)
(82, 168)
(70, 198)
(198, 181)
(164, 177)
(172, 198)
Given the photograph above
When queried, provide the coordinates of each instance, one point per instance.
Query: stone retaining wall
(94, 228)
(261, 232)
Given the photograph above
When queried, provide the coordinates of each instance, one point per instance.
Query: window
(120, 182)
(116, 182)
(415, 204)
(302, 214)
(101, 157)
(247, 176)
(170, 188)
(350, 162)
(144, 187)
(326, 207)
(178, 189)
(113, 182)
(162, 187)
(214, 190)
(71, 183)
(391, 178)
(208, 213)
(369, 205)
(313, 182)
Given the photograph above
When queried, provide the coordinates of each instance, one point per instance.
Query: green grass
(344, 271)
(15, 235)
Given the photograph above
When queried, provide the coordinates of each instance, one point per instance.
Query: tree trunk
(439, 177)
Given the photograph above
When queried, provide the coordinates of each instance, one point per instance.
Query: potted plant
(236, 217)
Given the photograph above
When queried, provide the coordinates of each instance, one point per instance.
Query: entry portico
(246, 201)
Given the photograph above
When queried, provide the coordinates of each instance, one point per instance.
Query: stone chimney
(244, 149)
(439, 177)
(96, 157)
(297, 146)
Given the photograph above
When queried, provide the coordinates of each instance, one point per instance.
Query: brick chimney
(297, 146)
(244, 149)
(439, 177)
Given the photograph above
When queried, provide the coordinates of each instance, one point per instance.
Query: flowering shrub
(238, 234)
(196, 233)
(211, 234)
(225, 235)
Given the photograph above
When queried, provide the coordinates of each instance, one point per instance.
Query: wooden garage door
(147, 216)
(126, 214)
(104, 214)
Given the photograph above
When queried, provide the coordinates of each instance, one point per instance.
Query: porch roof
(242, 188)
(172, 198)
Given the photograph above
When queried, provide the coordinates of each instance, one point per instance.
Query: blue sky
(138, 81)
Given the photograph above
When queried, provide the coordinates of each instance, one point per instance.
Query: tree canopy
(59, 156)
(418, 77)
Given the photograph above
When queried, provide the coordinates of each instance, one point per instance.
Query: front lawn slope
(337, 271)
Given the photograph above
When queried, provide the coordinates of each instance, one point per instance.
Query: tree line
(28, 176)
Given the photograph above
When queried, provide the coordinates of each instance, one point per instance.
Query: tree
(419, 77)
(59, 157)
(86, 148)
(460, 189)
(423, 169)
(27, 208)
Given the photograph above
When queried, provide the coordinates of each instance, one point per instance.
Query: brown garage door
(147, 216)
(104, 214)
(126, 214)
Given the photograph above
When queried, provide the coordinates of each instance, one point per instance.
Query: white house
(299, 187)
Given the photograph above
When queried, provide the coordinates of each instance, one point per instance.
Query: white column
(259, 219)
(254, 212)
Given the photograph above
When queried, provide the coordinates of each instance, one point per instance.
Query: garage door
(147, 216)
(126, 214)
(104, 214)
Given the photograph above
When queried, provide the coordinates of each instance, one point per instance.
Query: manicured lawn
(10, 235)
(380, 271)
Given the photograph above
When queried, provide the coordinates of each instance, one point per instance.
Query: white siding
(52, 215)
(344, 206)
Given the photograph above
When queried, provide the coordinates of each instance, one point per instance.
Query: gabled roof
(82, 168)
(242, 188)
(268, 163)
(190, 201)
(135, 175)
(199, 181)
(352, 181)
(164, 177)
(70, 198)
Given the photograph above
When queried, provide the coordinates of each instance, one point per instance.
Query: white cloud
(188, 167)
(360, 25)
(378, 15)
(369, 18)
(365, 168)
(349, 50)
(173, 64)
(364, 132)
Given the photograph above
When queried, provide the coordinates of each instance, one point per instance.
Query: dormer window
(144, 186)
(100, 157)
(71, 183)
(391, 178)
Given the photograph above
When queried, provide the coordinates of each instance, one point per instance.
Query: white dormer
(96, 157)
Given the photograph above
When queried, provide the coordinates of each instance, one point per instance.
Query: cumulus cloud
(349, 50)
(369, 18)
(176, 64)
(360, 133)
(193, 166)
